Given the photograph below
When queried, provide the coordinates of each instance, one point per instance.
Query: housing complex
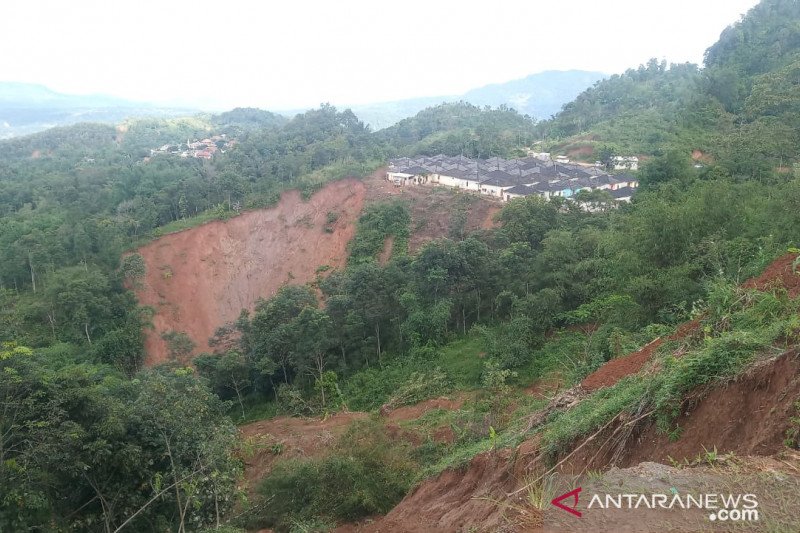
(199, 149)
(509, 178)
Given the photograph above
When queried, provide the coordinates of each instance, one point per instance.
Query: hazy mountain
(27, 108)
(539, 95)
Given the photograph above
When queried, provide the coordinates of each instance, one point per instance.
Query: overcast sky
(297, 53)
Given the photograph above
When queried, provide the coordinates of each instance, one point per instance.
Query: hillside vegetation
(90, 440)
(739, 110)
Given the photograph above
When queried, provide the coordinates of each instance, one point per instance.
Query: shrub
(421, 386)
(366, 474)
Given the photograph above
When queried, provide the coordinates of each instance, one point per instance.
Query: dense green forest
(91, 441)
(739, 109)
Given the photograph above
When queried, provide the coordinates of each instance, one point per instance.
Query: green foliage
(366, 474)
(458, 128)
(83, 448)
(420, 386)
(378, 222)
(592, 413)
(673, 165)
(460, 368)
(228, 375)
(179, 344)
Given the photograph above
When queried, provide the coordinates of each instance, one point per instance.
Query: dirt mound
(201, 278)
(472, 498)
(412, 412)
(620, 367)
(779, 274)
(287, 437)
(747, 416)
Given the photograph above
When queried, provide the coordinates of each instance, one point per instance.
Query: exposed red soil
(472, 498)
(432, 208)
(386, 252)
(412, 412)
(295, 437)
(313, 437)
(200, 279)
(620, 367)
(779, 274)
(748, 416)
(626, 365)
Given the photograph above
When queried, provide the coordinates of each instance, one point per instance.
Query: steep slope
(201, 278)
(732, 439)
(741, 108)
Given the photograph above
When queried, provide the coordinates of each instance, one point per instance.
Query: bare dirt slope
(201, 278)
(433, 208)
(747, 416)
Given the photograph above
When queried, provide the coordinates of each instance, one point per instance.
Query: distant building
(506, 179)
(625, 162)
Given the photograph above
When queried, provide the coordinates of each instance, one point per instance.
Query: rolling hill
(29, 108)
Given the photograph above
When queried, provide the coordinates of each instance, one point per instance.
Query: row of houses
(509, 178)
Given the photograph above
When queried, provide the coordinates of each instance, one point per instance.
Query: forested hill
(741, 107)
(539, 95)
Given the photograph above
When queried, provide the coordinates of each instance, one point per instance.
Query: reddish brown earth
(473, 498)
(294, 437)
(412, 412)
(620, 367)
(748, 416)
(432, 208)
(201, 278)
(779, 274)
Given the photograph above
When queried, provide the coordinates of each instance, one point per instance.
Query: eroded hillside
(199, 279)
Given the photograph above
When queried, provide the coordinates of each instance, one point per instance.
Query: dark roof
(416, 170)
(522, 190)
(604, 179)
(623, 192)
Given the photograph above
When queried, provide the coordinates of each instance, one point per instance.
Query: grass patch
(255, 409)
(592, 413)
(367, 473)
(460, 360)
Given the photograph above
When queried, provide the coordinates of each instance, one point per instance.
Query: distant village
(199, 149)
(507, 179)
